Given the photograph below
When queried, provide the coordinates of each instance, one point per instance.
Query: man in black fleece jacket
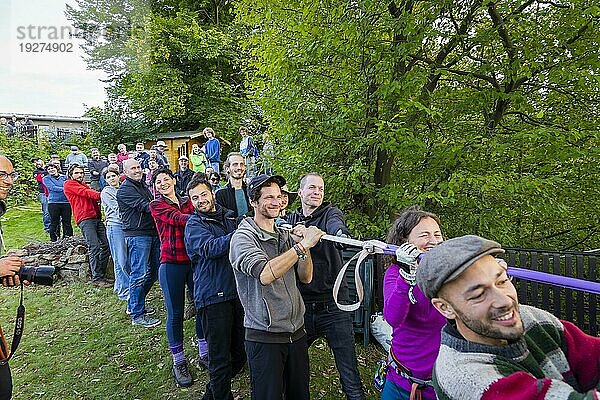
(322, 317)
(142, 240)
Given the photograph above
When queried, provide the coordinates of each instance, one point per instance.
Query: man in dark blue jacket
(143, 245)
(207, 236)
(322, 317)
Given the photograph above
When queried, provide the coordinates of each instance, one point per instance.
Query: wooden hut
(178, 144)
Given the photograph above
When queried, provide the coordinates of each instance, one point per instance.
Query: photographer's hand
(9, 268)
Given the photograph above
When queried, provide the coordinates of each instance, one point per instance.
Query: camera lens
(42, 275)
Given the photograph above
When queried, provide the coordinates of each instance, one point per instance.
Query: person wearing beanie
(492, 347)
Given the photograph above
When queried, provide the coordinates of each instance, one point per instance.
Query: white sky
(55, 83)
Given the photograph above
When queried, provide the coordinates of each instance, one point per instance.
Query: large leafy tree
(172, 64)
(480, 111)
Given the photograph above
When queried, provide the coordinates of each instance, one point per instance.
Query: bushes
(21, 150)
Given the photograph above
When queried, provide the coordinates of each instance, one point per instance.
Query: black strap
(18, 333)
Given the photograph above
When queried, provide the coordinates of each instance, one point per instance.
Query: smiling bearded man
(492, 348)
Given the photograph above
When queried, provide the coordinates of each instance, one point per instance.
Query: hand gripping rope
(378, 247)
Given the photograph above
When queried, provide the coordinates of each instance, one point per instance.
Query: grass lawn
(80, 344)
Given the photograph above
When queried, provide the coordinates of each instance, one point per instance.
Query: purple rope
(537, 276)
(556, 280)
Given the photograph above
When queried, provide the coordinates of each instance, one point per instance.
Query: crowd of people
(263, 291)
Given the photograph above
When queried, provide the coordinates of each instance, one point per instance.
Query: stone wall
(69, 255)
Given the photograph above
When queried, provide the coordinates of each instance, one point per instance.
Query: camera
(41, 275)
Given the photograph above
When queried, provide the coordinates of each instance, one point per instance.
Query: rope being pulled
(377, 247)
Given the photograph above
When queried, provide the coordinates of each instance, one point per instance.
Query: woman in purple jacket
(415, 322)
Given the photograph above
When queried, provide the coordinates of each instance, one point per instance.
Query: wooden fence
(578, 307)
(571, 305)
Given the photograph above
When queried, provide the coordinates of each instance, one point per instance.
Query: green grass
(80, 344)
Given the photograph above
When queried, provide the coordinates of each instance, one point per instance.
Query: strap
(374, 247)
(359, 257)
(18, 333)
(415, 392)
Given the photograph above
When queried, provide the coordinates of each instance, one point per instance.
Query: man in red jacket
(85, 203)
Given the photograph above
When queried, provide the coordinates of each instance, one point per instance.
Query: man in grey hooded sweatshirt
(266, 260)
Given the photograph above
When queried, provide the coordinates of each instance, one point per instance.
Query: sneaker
(147, 311)
(145, 321)
(182, 375)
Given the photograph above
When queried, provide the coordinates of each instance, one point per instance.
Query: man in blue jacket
(142, 240)
(207, 236)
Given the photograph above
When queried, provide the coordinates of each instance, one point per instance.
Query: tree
(481, 112)
(172, 64)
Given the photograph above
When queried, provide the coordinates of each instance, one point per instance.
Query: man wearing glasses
(9, 267)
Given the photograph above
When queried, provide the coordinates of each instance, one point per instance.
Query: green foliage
(483, 113)
(173, 65)
(21, 150)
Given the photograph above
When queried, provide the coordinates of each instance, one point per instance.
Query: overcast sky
(55, 83)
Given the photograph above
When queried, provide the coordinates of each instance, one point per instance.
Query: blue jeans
(144, 257)
(215, 166)
(118, 251)
(173, 279)
(391, 391)
(325, 319)
(45, 214)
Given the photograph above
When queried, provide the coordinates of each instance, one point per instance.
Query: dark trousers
(57, 212)
(94, 232)
(224, 331)
(326, 320)
(5, 383)
(278, 371)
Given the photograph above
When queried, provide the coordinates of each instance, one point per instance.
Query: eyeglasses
(214, 180)
(4, 175)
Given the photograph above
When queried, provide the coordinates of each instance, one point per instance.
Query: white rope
(369, 247)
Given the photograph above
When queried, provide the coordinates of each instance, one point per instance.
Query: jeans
(144, 257)
(173, 279)
(58, 212)
(118, 251)
(94, 232)
(45, 214)
(214, 165)
(325, 319)
(391, 391)
(278, 370)
(224, 331)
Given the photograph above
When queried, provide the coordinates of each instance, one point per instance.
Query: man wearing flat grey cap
(493, 348)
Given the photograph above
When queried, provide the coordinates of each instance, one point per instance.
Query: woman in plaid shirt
(171, 212)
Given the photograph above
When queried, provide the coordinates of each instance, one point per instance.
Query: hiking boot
(189, 312)
(182, 375)
(145, 321)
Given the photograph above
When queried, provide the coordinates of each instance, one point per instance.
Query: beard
(486, 328)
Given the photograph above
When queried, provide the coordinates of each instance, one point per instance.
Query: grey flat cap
(449, 259)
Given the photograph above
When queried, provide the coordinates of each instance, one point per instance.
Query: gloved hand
(407, 254)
